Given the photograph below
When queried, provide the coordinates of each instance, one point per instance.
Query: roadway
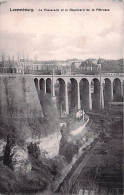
(72, 176)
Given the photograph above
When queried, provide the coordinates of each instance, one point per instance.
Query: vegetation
(103, 173)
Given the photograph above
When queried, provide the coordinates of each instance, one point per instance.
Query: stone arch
(73, 94)
(95, 93)
(60, 95)
(42, 84)
(122, 90)
(117, 90)
(84, 94)
(107, 91)
(36, 83)
(48, 85)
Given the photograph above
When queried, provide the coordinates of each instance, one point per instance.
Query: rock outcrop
(2, 149)
(20, 160)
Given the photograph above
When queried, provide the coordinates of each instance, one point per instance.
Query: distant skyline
(15, 58)
(62, 35)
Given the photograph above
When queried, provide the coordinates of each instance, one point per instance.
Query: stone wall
(21, 112)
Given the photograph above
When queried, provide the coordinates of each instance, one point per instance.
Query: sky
(62, 35)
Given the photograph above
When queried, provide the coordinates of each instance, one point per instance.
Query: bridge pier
(90, 98)
(101, 96)
(66, 98)
(53, 89)
(122, 89)
(38, 86)
(44, 85)
(112, 96)
(78, 87)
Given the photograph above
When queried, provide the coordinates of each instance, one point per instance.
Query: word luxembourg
(21, 10)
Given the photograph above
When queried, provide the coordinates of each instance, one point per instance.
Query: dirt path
(73, 174)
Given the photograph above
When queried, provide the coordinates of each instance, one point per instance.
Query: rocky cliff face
(20, 109)
(21, 112)
(26, 118)
(2, 148)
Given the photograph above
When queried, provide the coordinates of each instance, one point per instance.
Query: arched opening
(122, 93)
(107, 92)
(48, 85)
(60, 95)
(42, 84)
(84, 94)
(73, 95)
(36, 83)
(95, 90)
(117, 90)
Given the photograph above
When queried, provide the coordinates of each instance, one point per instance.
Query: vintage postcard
(61, 97)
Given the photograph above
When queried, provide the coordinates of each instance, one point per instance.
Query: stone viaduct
(88, 92)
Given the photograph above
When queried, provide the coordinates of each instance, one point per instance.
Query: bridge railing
(112, 74)
(66, 75)
(84, 75)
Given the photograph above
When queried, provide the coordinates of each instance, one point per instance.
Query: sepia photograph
(61, 97)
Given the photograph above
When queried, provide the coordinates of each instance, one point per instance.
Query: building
(65, 70)
(90, 66)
